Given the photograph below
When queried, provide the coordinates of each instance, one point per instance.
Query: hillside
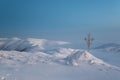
(48, 60)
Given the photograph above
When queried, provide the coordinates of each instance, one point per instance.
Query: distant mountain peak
(109, 47)
(29, 44)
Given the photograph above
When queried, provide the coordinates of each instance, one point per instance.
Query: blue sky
(68, 20)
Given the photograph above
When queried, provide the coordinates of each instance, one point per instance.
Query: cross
(89, 40)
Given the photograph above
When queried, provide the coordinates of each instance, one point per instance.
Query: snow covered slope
(41, 59)
(79, 58)
(70, 57)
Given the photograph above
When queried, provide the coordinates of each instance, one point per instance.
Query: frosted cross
(89, 40)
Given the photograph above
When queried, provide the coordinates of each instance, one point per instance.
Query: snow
(28, 45)
(41, 59)
(83, 57)
(109, 47)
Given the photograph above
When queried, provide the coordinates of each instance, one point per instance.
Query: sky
(69, 20)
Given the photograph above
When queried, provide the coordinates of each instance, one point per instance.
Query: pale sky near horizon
(69, 20)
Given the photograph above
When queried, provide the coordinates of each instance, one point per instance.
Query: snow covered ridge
(84, 57)
(84, 60)
(32, 51)
(26, 45)
(47, 60)
(109, 47)
(71, 58)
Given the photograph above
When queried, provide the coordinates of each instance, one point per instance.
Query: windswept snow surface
(41, 59)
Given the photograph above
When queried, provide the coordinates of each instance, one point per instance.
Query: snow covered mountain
(74, 58)
(109, 47)
(40, 50)
(16, 53)
(24, 62)
(27, 45)
(79, 58)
